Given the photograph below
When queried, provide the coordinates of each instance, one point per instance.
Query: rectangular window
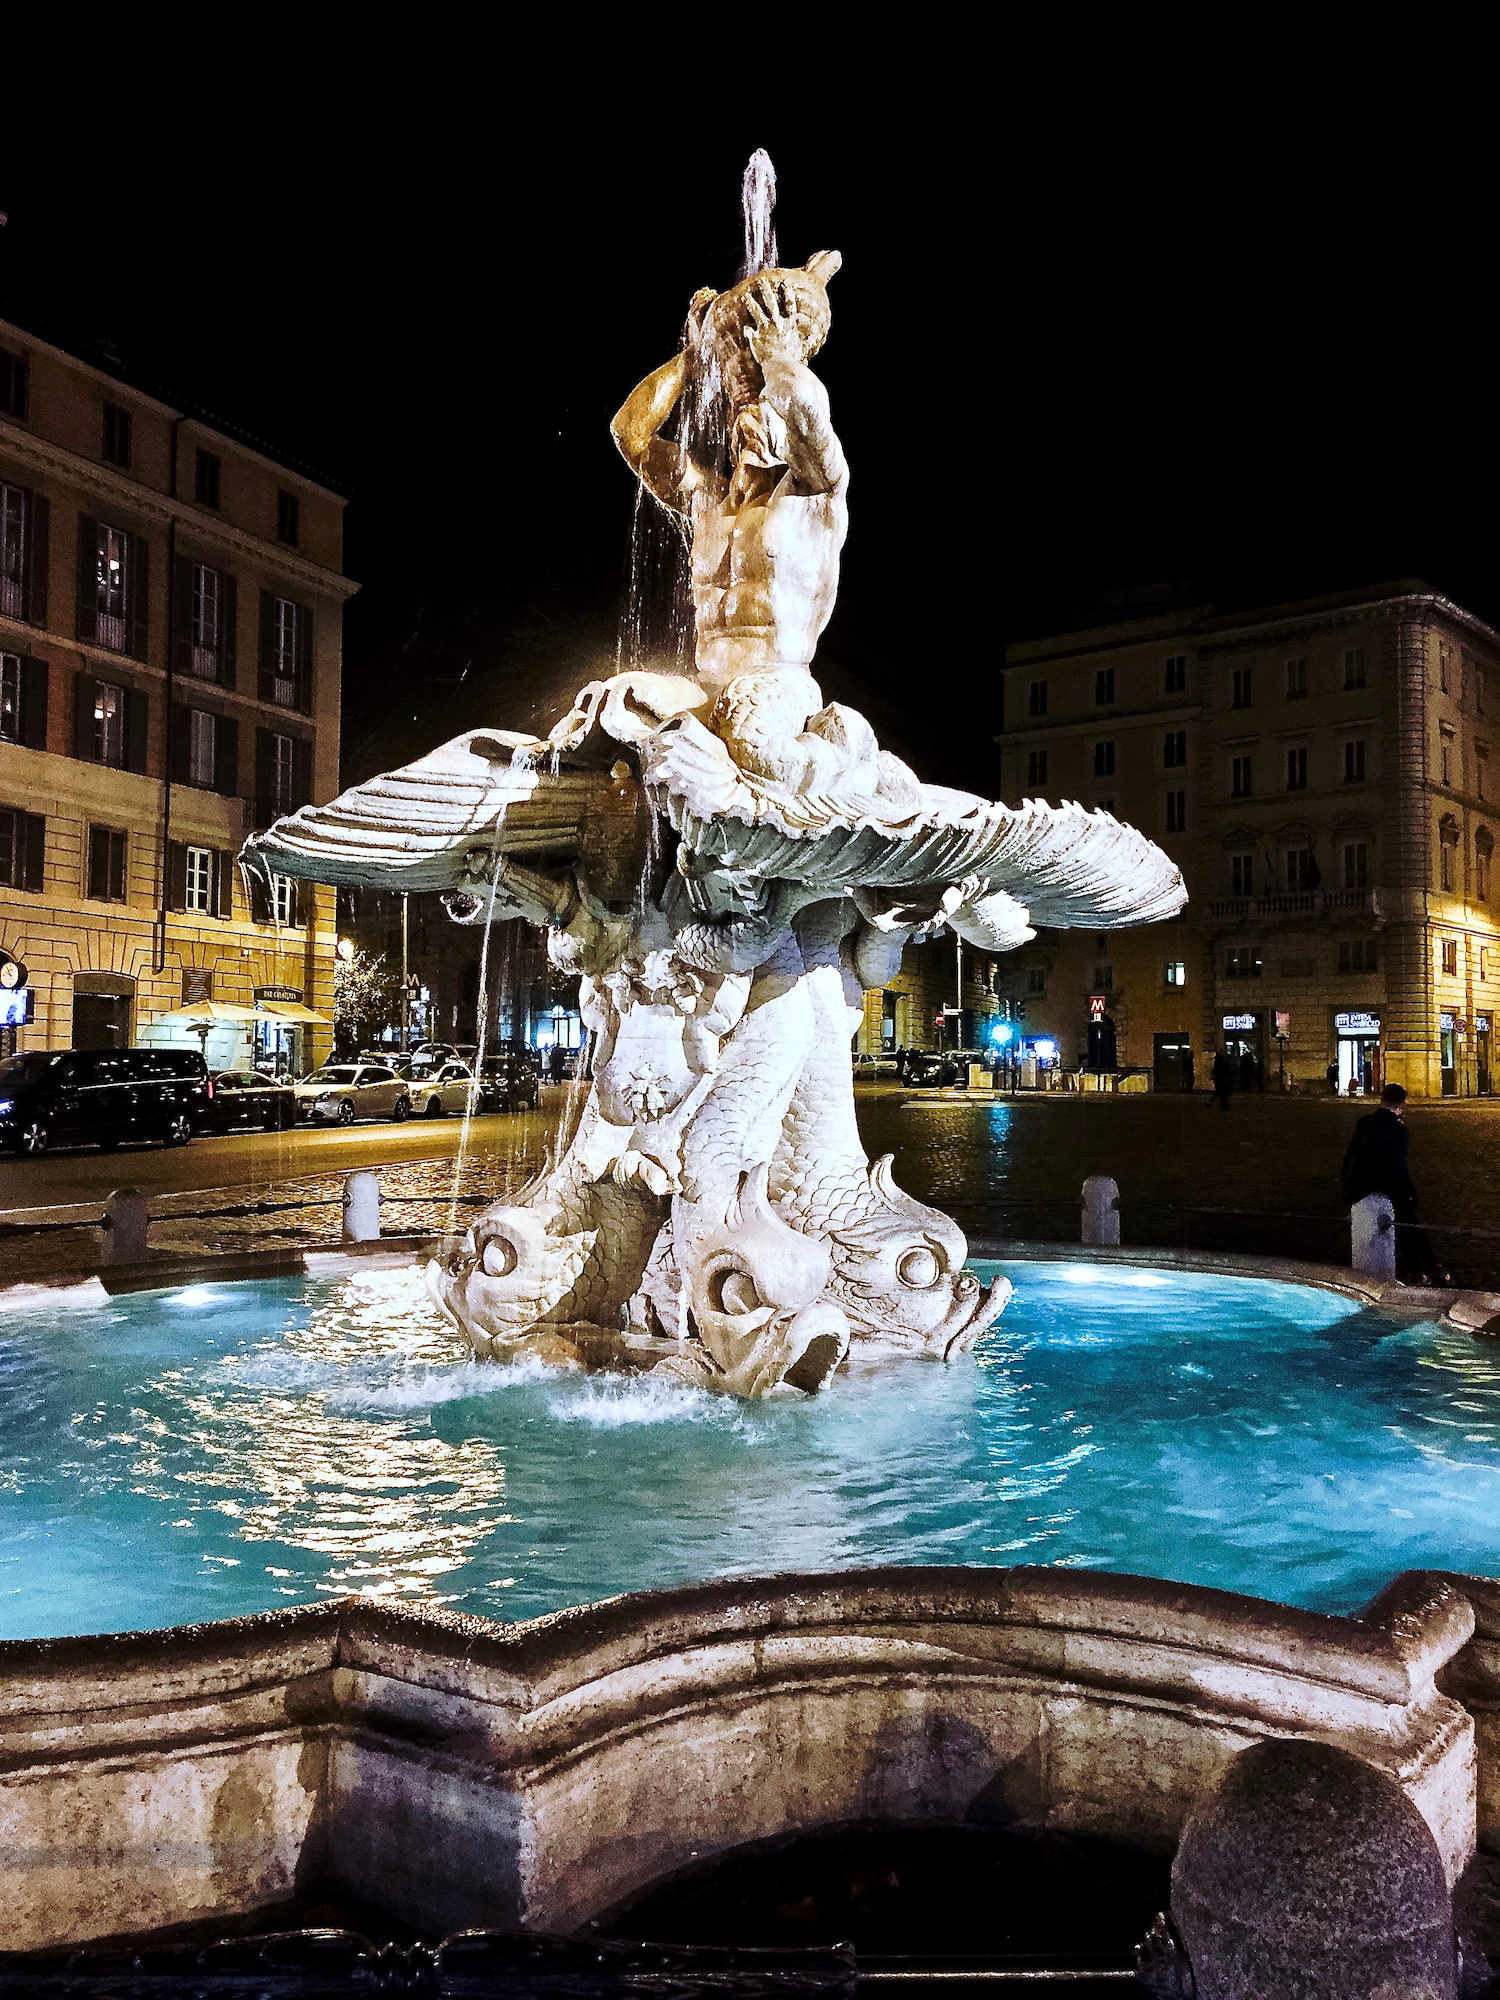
(1356, 864)
(288, 518)
(1174, 972)
(106, 865)
(1242, 874)
(207, 600)
(1296, 679)
(1104, 760)
(1354, 763)
(1038, 703)
(1174, 749)
(10, 698)
(15, 381)
(1296, 770)
(23, 838)
(1104, 688)
(1482, 872)
(1243, 962)
(112, 589)
(200, 880)
(1479, 690)
(206, 470)
(283, 773)
(1104, 805)
(1445, 757)
(200, 748)
(1176, 674)
(1036, 768)
(117, 429)
(1242, 687)
(1176, 812)
(1358, 955)
(284, 637)
(1036, 979)
(109, 725)
(1447, 862)
(1299, 868)
(1104, 978)
(284, 899)
(1354, 666)
(13, 551)
(1445, 671)
(1242, 778)
(1481, 774)
(1450, 957)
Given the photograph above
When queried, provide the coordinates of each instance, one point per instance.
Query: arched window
(1448, 853)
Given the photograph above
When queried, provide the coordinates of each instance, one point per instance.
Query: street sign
(278, 993)
(1283, 1026)
(1097, 1005)
(1239, 1023)
(937, 1018)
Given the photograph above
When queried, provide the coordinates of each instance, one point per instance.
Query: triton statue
(728, 863)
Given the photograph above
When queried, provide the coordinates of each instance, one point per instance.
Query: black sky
(1089, 332)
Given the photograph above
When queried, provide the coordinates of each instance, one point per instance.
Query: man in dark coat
(1248, 1067)
(1189, 1070)
(1332, 1073)
(1223, 1078)
(1376, 1164)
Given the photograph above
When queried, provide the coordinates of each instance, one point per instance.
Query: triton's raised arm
(805, 436)
(664, 468)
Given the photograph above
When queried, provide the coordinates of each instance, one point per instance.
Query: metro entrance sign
(1097, 1004)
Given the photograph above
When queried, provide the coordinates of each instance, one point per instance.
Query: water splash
(758, 202)
(481, 1024)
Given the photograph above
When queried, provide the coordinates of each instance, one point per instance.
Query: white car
(450, 1087)
(339, 1093)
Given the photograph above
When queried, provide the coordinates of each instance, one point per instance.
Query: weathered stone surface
(462, 1772)
(1307, 1874)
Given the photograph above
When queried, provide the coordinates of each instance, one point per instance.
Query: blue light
(1046, 1051)
(1002, 1034)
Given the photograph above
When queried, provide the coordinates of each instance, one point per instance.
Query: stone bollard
(1372, 1231)
(126, 1219)
(361, 1207)
(1306, 1870)
(1101, 1211)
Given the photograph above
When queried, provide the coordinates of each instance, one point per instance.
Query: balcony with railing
(1286, 904)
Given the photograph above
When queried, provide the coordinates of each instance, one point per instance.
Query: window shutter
(176, 875)
(304, 657)
(301, 772)
(267, 645)
(118, 885)
(179, 741)
(182, 615)
(34, 679)
(260, 897)
(140, 600)
(83, 717)
(223, 884)
(39, 514)
(88, 578)
(137, 713)
(32, 828)
(226, 755)
(265, 776)
(229, 614)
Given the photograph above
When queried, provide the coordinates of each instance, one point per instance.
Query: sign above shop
(1357, 1024)
(279, 993)
(1283, 1030)
(1239, 1022)
(1097, 1004)
(1446, 1023)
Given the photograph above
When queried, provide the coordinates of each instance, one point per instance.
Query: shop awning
(295, 1012)
(210, 1013)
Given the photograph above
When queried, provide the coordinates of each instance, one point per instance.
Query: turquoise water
(173, 1456)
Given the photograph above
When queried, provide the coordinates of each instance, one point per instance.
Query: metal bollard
(1101, 1211)
(126, 1219)
(1372, 1237)
(361, 1207)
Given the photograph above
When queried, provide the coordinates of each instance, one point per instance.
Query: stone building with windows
(171, 604)
(1321, 772)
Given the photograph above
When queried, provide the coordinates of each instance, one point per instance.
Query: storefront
(556, 1027)
(1484, 1075)
(1450, 1038)
(1357, 1050)
(282, 1044)
(1245, 1034)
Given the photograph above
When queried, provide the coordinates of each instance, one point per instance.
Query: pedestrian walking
(901, 1065)
(1376, 1163)
(1332, 1073)
(1189, 1071)
(1248, 1068)
(556, 1064)
(1223, 1079)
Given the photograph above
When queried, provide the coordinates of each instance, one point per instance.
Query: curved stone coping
(464, 1772)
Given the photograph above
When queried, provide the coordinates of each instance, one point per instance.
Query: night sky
(1083, 339)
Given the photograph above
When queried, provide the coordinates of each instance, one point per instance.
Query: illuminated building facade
(171, 604)
(1322, 773)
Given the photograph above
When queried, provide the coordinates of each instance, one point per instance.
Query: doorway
(1359, 1065)
(1168, 1060)
(101, 1020)
(1483, 1081)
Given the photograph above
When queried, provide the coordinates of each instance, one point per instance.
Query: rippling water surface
(173, 1456)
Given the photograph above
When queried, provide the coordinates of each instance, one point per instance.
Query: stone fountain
(728, 863)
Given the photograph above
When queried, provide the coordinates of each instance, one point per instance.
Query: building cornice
(1243, 635)
(25, 448)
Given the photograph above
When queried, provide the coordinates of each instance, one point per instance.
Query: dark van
(101, 1097)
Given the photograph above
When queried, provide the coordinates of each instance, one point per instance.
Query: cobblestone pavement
(1262, 1178)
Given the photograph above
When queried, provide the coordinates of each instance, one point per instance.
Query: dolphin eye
(918, 1268)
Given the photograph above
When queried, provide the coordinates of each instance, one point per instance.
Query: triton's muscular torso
(765, 572)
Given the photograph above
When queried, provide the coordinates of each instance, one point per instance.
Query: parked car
(247, 1100)
(101, 1097)
(507, 1082)
(945, 1067)
(447, 1088)
(341, 1092)
(872, 1069)
(428, 1056)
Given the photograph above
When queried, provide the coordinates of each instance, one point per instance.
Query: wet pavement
(1261, 1178)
